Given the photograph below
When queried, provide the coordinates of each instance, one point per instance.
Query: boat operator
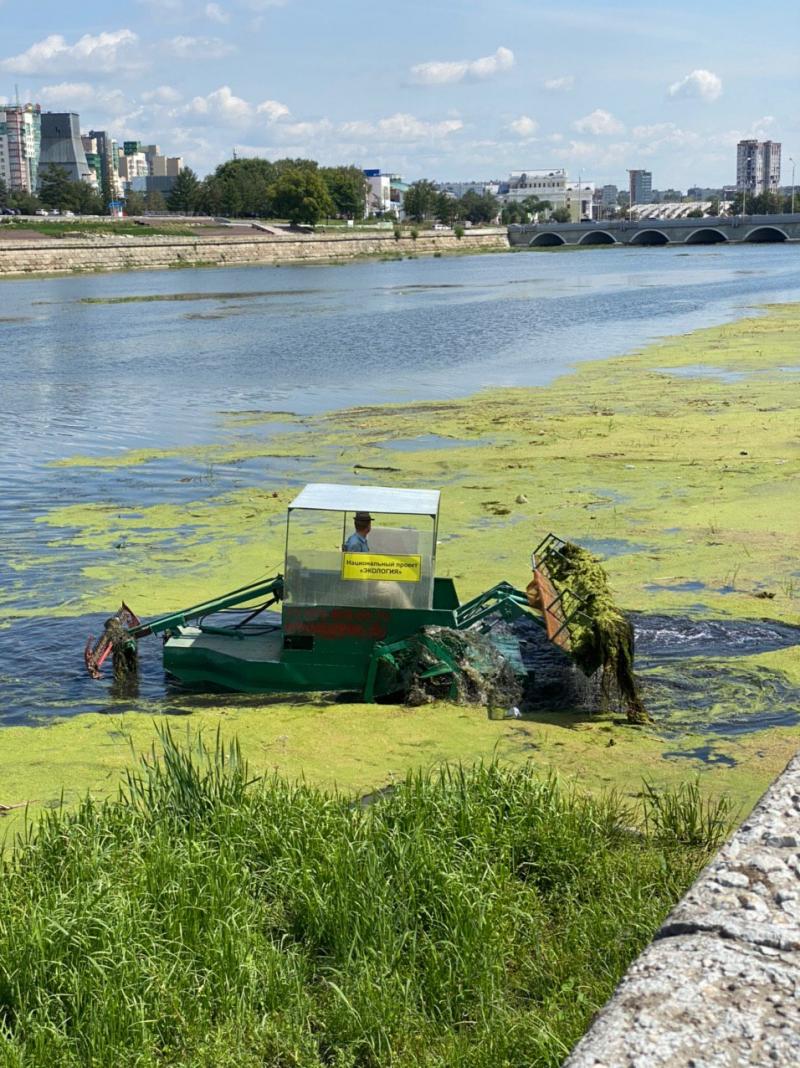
(357, 542)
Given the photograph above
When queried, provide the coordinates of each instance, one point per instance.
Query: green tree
(533, 206)
(446, 209)
(24, 202)
(84, 199)
(4, 194)
(154, 200)
(420, 200)
(713, 206)
(301, 196)
(239, 187)
(185, 192)
(347, 187)
(134, 203)
(560, 215)
(695, 213)
(513, 213)
(55, 188)
(478, 207)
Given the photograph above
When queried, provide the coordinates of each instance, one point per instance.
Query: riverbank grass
(475, 916)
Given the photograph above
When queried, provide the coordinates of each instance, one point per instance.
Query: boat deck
(256, 646)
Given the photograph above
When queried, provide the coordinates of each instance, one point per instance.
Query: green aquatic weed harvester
(350, 621)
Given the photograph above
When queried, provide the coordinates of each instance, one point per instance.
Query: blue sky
(446, 89)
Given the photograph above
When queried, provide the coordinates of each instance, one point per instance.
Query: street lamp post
(793, 184)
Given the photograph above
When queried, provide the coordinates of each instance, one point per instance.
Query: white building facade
(554, 186)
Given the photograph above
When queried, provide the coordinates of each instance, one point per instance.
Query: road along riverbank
(90, 252)
(679, 465)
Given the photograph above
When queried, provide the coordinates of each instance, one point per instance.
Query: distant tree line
(295, 189)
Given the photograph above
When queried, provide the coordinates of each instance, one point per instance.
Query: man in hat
(357, 542)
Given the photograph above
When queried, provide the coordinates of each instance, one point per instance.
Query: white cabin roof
(333, 497)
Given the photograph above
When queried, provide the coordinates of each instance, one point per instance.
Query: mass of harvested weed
(472, 917)
(602, 637)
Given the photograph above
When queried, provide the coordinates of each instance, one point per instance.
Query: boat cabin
(394, 571)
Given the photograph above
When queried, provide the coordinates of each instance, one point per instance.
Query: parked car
(41, 211)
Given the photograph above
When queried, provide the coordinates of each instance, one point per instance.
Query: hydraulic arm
(124, 627)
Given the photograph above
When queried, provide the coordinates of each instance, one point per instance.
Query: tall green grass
(474, 917)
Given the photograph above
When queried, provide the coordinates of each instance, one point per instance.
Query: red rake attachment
(115, 629)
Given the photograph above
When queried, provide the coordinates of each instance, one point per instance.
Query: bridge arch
(761, 234)
(649, 237)
(547, 240)
(598, 237)
(706, 235)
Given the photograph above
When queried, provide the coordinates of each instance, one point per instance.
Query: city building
(666, 196)
(758, 166)
(132, 163)
(62, 145)
(553, 186)
(153, 183)
(397, 194)
(379, 192)
(107, 149)
(20, 146)
(165, 166)
(579, 200)
(608, 196)
(458, 189)
(640, 186)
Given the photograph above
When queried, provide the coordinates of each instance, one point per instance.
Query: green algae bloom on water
(602, 637)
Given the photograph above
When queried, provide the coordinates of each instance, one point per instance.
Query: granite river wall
(115, 253)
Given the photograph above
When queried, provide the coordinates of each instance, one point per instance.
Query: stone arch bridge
(712, 230)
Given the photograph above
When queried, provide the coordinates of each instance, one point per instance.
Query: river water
(94, 364)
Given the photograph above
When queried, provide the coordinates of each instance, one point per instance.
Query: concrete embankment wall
(115, 253)
(720, 985)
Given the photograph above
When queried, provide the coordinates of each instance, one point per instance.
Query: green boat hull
(311, 648)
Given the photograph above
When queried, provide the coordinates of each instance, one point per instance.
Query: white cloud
(699, 85)
(402, 127)
(301, 131)
(579, 150)
(598, 123)
(449, 72)
(104, 53)
(524, 126)
(759, 130)
(197, 48)
(217, 13)
(71, 95)
(559, 85)
(162, 94)
(273, 109)
(219, 108)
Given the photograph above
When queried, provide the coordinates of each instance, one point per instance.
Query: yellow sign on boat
(364, 567)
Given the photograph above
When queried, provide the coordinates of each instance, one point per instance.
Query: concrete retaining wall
(128, 253)
(720, 985)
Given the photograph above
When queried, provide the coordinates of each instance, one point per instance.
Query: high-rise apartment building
(640, 186)
(758, 166)
(20, 145)
(108, 151)
(62, 145)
